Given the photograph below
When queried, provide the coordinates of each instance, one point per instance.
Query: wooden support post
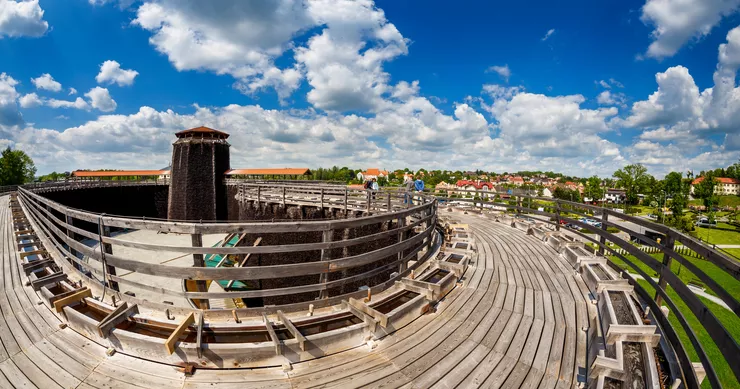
(244, 261)
(198, 261)
(321, 201)
(389, 202)
(667, 265)
(273, 335)
(557, 216)
(199, 338)
(401, 222)
(170, 343)
(108, 249)
(294, 331)
(327, 236)
(283, 197)
(368, 201)
(602, 239)
(79, 296)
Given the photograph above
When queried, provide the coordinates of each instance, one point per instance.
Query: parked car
(705, 222)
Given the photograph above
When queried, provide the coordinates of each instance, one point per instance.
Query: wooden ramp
(517, 320)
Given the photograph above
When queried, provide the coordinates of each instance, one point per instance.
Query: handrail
(725, 342)
(392, 251)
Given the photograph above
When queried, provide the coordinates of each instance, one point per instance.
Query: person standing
(409, 184)
(419, 186)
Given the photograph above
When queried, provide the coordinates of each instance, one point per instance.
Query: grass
(728, 282)
(733, 252)
(727, 318)
(715, 236)
(724, 201)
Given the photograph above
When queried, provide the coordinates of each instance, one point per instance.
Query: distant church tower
(200, 157)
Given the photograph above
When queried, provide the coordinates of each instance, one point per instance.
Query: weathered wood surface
(516, 321)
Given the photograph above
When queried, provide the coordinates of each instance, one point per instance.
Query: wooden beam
(29, 267)
(24, 254)
(50, 279)
(198, 261)
(273, 335)
(172, 340)
(291, 328)
(73, 298)
(23, 232)
(119, 315)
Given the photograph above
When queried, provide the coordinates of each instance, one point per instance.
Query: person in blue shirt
(419, 185)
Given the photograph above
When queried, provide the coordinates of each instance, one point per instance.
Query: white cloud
(111, 72)
(78, 103)
(676, 22)
(342, 61)
(30, 100)
(21, 18)
(503, 71)
(46, 82)
(61, 117)
(548, 34)
(72, 91)
(616, 83)
(611, 98)
(603, 84)
(677, 99)
(403, 90)
(100, 99)
(9, 114)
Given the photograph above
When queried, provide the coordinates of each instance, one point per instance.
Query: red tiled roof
(118, 173)
(725, 180)
(722, 180)
(477, 185)
(266, 172)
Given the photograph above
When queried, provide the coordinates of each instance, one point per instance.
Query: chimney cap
(202, 132)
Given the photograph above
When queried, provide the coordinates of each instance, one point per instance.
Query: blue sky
(580, 87)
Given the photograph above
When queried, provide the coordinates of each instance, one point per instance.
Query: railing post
(259, 192)
(368, 201)
(346, 199)
(322, 200)
(604, 219)
(557, 215)
(402, 265)
(666, 263)
(389, 202)
(283, 197)
(69, 222)
(327, 237)
(104, 230)
(518, 205)
(201, 285)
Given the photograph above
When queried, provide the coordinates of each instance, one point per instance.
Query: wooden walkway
(517, 321)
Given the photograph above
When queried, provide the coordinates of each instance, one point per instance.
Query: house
(615, 196)
(477, 186)
(724, 186)
(546, 193)
(516, 180)
(373, 173)
(443, 186)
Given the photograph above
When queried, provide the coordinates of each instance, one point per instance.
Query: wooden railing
(553, 210)
(397, 235)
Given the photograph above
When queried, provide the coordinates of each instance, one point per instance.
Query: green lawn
(724, 201)
(733, 252)
(715, 236)
(727, 318)
(728, 282)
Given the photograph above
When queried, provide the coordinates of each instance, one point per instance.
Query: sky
(579, 87)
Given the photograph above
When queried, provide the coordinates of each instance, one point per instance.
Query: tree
(675, 187)
(632, 178)
(16, 167)
(705, 191)
(593, 189)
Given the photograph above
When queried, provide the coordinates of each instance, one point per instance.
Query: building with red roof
(724, 186)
